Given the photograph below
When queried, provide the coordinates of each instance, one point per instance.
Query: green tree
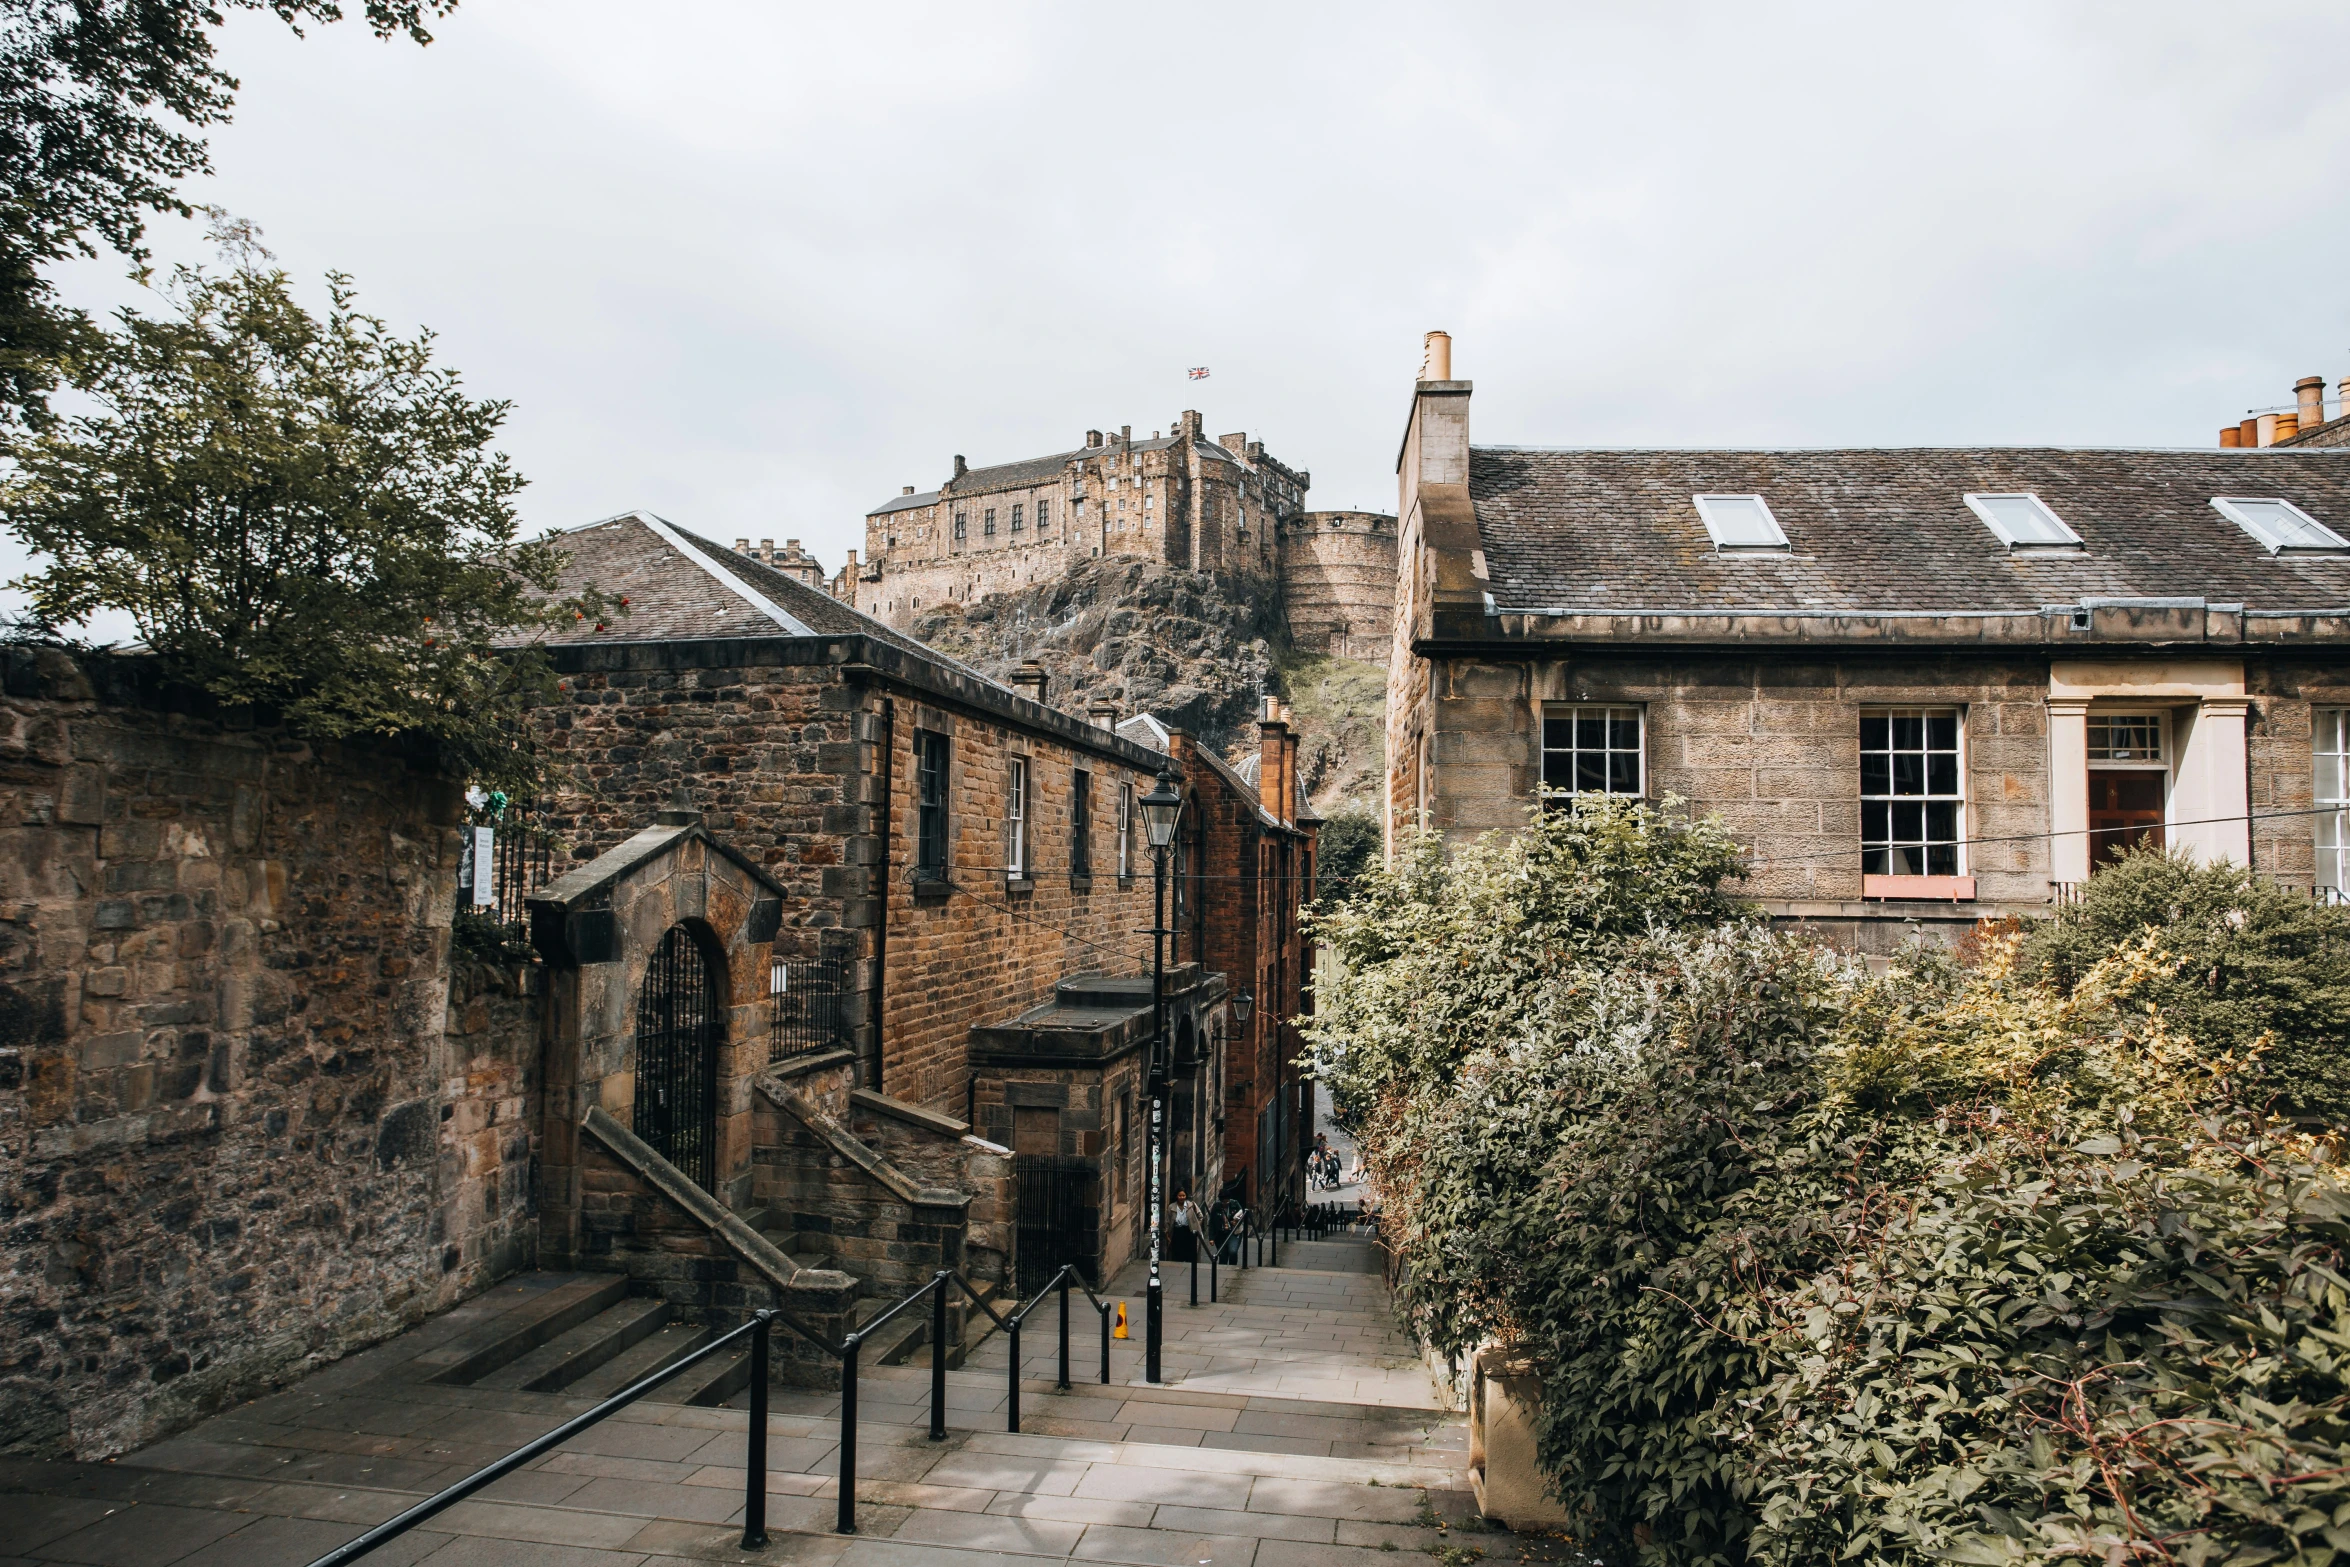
(297, 511)
(86, 148)
(1344, 847)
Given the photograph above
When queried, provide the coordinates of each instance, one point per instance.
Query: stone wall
(492, 1095)
(222, 1076)
(1338, 583)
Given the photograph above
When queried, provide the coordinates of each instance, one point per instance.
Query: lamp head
(1160, 807)
(1244, 1007)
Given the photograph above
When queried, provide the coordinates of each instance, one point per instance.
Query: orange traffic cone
(1120, 1330)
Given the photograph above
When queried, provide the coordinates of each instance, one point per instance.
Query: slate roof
(904, 503)
(1888, 529)
(671, 597)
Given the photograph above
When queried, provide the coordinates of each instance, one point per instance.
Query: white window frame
(1956, 798)
(1016, 818)
(2232, 508)
(2158, 762)
(2330, 743)
(1126, 831)
(1607, 712)
(1741, 547)
(2068, 543)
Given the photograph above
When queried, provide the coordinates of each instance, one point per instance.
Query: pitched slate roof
(1888, 529)
(903, 503)
(666, 573)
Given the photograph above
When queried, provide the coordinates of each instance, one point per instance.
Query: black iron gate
(1060, 1220)
(678, 1030)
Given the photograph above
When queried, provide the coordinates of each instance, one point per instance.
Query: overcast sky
(755, 266)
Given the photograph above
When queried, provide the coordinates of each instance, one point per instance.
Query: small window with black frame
(1591, 748)
(1081, 825)
(1912, 792)
(930, 809)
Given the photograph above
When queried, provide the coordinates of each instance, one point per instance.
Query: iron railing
(758, 1330)
(520, 862)
(810, 1000)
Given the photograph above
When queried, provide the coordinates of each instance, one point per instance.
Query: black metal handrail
(754, 1467)
(758, 1330)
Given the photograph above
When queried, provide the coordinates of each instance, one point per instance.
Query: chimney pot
(2288, 426)
(2342, 398)
(1104, 714)
(2265, 429)
(906, 489)
(2248, 432)
(2310, 394)
(1030, 680)
(2230, 436)
(1437, 366)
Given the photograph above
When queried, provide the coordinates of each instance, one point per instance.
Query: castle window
(1015, 519)
(962, 527)
(987, 523)
(1044, 515)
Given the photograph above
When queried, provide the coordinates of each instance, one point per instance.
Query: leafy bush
(1947, 1263)
(1345, 846)
(2254, 959)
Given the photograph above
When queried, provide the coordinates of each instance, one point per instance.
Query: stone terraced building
(1922, 686)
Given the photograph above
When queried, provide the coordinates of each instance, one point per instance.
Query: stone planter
(1504, 1393)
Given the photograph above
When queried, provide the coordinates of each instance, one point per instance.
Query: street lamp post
(1160, 807)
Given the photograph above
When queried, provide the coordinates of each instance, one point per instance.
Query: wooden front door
(2125, 812)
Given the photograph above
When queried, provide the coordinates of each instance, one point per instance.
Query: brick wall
(222, 996)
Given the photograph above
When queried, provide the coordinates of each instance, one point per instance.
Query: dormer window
(1741, 524)
(2024, 522)
(2281, 527)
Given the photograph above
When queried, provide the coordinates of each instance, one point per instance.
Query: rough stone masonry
(232, 1144)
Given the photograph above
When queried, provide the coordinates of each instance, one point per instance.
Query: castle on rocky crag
(1223, 507)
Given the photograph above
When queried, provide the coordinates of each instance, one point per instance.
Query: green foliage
(1446, 953)
(86, 146)
(1345, 846)
(297, 512)
(2254, 960)
(1991, 1263)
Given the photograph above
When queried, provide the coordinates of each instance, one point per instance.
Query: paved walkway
(1295, 1430)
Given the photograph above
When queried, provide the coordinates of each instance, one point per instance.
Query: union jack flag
(1199, 372)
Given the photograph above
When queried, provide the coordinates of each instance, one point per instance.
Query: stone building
(791, 561)
(1204, 505)
(804, 880)
(1920, 685)
(1337, 582)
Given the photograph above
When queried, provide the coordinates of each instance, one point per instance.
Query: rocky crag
(1194, 650)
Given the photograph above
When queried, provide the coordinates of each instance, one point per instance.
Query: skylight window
(2280, 526)
(1740, 522)
(2024, 522)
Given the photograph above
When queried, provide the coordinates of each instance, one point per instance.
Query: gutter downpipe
(889, 752)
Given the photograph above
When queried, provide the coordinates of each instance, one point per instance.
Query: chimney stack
(1103, 712)
(905, 489)
(1437, 365)
(767, 549)
(1270, 746)
(961, 467)
(2310, 393)
(742, 546)
(1093, 438)
(1030, 680)
(1125, 435)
